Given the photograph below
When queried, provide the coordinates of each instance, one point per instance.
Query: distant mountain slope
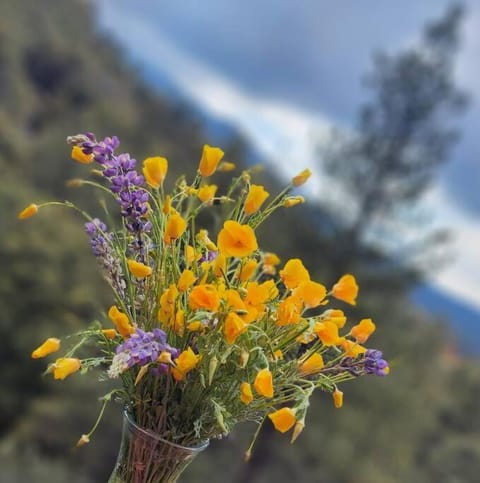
(463, 319)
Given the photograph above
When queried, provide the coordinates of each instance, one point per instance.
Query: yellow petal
(79, 156)
(138, 269)
(301, 177)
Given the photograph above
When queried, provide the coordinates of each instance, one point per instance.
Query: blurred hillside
(60, 76)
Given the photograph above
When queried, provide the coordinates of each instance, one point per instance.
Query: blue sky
(284, 72)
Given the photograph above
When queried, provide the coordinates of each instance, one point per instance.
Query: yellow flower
(336, 316)
(255, 199)
(311, 293)
(203, 238)
(260, 293)
(176, 225)
(204, 297)
(179, 324)
(337, 398)
(294, 273)
(301, 177)
(186, 280)
(167, 205)
(211, 156)
(155, 169)
(246, 395)
(226, 166)
(138, 269)
(289, 311)
(271, 259)
(121, 321)
(292, 201)
(234, 326)
(247, 269)
(109, 333)
(79, 156)
(220, 265)
(363, 330)
(312, 365)
(206, 193)
(278, 354)
(184, 363)
(27, 212)
(165, 358)
(48, 347)
(65, 366)
(283, 419)
(167, 305)
(352, 349)
(263, 383)
(346, 289)
(327, 332)
(189, 255)
(236, 240)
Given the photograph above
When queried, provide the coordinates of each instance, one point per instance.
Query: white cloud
(289, 135)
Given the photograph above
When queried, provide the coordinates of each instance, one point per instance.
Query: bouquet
(206, 329)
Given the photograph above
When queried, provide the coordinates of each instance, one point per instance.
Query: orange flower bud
(301, 178)
(346, 289)
(48, 347)
(337, 398)
(30, 210)
(234, 326)
(246, 395)
(226, 166)
(312, 365)
(292, 201)
(211, 156)
(176, 225)
(121, 321)
(255, 199)
(206, 193)
(263, 383)
(65, 366)
(363, 330)
(155, 169)
(283, 419)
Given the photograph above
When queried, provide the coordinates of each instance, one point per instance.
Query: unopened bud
(293, 201)
(301, 178)
(337, 398)
(297, 430)
(74, 183)
(84, 439)
(244, 356)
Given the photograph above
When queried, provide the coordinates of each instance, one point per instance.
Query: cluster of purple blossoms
(101, 243)
(374, 363)
(142, 348)
(125, 182)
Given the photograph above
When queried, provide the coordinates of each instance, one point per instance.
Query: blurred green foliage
(59, 76)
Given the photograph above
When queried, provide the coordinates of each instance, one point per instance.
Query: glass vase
(145, 457)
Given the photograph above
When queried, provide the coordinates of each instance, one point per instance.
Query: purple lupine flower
(374, 364)
(141, 348)
(125, 182)
(209, 256)
(101, 243)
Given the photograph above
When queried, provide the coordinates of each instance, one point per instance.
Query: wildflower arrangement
(206, 329)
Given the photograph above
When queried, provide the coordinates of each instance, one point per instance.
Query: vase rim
(194, 449)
